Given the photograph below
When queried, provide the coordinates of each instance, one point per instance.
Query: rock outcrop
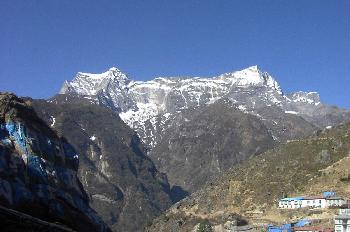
(38, 170)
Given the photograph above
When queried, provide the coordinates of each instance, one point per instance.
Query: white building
(344, 211)
(342, 223)
(290, 203)
(335, 201)
(328, 199)
(302, 202)
(314, 202)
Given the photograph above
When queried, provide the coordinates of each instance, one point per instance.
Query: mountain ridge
(140, 101)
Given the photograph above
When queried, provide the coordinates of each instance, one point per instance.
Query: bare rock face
(38, 170)
(123, 184)
(208, 141)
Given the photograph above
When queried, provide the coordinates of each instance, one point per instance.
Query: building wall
(344, 211)
(341, 227)
(335, 202)
(293, 204)
(314, 203)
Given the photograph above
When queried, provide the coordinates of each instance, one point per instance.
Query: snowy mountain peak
(253, 68)
(115, 72)
(139, 103)
(91, 83)
(114, 69)
(251, 76)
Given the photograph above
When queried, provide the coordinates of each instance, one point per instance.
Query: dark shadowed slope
(124, 186)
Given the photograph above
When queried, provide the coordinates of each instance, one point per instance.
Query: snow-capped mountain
(141, 104)
(141, 100)
(223, 119)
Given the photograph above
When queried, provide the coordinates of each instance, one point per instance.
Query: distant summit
(91, 83)
(252, 76)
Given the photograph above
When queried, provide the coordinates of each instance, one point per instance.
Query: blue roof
(329, 194)
(292, 199)
(302, 222)
(284, 227)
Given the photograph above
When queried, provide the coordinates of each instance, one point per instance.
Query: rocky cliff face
(38, 170)
(123, 184)
(207, 141)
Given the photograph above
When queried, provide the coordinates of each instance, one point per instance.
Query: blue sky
(305, 45)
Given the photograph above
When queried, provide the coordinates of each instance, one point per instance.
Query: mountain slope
(209, 141)
(124, 186)
(38, 170)
(203, 142)
(252, 189)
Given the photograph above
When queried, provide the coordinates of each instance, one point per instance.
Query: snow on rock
(143, 112)
(251, 76)
(139, 103)
(53, 120)
(291, 112)
(104, 198)
(306, 97)
(242, 108)
(90, 84)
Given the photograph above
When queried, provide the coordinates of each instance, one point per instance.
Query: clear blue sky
(304, 44)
